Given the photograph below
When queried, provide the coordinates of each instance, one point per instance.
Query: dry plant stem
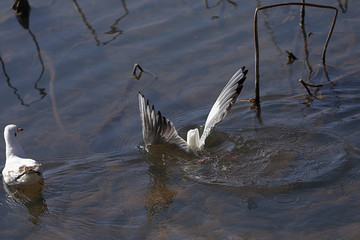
(305, 37)
(314, 85)
(256, 37)
(306, 87)
(137, 66)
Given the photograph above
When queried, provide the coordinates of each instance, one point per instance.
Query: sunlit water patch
(271, 157)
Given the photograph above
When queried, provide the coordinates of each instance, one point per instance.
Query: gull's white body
(157, 129)
(18, 170)
(193, 139)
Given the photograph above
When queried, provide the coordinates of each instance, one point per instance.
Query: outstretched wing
(224, 102)
(157, 129)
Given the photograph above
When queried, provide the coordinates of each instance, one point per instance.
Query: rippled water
(287, 168)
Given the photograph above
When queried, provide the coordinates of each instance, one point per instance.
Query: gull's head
(12, 130)
(193, 139)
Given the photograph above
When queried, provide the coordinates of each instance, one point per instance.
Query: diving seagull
(19, 170)
(157, 129)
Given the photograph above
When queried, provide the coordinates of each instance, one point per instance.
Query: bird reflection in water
(159, 197)
(163, 180)
(30, 197)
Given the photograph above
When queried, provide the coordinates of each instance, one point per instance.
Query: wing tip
(242, 79)
(244, 71)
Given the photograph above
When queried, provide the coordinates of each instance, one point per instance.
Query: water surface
(286, 168)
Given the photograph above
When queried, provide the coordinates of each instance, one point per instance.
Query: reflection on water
(221, 3)
(114, 30)
(29, 197)
(163, 167)
(207, 5)
(288, 166)
(159, 196)
(343, 7)
(22, 12)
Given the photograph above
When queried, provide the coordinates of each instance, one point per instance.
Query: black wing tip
(242, 79)
(147, 102)
(240, 82)
(244, 70)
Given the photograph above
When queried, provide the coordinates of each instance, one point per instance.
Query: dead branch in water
(256, 38)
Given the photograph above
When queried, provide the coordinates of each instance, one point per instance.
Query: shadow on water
(22, 11)
(114, 30)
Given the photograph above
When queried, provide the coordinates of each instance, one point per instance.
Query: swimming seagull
(157, 129)
(18, 170)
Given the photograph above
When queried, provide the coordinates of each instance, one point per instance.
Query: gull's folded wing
(157, 129)
(28, 170)
(224, 102)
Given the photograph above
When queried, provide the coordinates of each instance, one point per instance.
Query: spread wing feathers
(157, 129)
(224, 102)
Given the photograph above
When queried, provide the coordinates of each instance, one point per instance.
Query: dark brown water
(288, 168)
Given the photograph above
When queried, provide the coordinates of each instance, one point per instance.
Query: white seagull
(18, 170)
(157, 129)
